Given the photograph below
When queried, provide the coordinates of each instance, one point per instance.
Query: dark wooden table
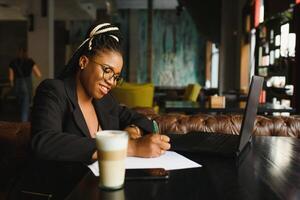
(269, 170)
(189, 107)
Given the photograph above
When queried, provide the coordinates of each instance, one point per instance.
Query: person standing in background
(20, 70)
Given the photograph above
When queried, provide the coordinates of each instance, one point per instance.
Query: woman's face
(99, 72)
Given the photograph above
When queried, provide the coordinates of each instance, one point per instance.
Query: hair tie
(98, 30)
(92, 33)
(115, 37)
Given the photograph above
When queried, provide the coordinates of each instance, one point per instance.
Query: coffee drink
(112, 151)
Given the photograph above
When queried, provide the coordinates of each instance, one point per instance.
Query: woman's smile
(104, 89)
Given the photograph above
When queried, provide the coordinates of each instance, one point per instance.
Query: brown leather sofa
(15, 137)
(14, 152)
(230, 124)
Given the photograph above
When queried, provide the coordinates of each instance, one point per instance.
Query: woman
(20, 70)
(68, 111)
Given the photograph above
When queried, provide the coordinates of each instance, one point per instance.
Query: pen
(155, 126)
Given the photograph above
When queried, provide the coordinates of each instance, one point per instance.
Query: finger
(162, 152)
(165, 145)
(156, 153)
(156, 138)
(164, 138)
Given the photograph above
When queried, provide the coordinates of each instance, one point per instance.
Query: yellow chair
(134, 94)
(192, 92)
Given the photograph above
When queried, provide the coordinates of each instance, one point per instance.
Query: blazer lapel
(80, 121)
(70, 85)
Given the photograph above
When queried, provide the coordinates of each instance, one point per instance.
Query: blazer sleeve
(128, 116)
(49, 141)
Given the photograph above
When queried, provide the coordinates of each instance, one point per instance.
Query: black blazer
(59, 131)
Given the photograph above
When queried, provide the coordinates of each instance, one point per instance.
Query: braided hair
(102, 37)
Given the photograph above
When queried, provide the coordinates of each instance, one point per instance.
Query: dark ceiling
(207, 15)
(273, 7)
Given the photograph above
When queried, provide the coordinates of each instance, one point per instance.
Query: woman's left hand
(133, 132)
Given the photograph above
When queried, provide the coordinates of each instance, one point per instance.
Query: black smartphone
(147, 174)
(28, 195)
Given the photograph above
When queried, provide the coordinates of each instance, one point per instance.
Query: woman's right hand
(151, 145)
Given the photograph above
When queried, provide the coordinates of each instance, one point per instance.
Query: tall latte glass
(112, 151)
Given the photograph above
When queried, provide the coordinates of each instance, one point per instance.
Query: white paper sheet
(169, 161)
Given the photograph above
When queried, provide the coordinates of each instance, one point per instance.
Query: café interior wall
(10, 43)
(178, 49)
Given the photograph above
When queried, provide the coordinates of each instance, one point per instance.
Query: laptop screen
(250, 111)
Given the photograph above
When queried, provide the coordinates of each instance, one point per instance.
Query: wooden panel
(208, 61)
(297, 66)
(244, 76)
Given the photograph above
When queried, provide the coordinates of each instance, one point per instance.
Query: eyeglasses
(108, 73)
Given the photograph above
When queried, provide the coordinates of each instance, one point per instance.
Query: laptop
(218, 143)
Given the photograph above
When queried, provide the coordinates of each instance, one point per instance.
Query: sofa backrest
(231, 124)
(192, 92)
(14, 151)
